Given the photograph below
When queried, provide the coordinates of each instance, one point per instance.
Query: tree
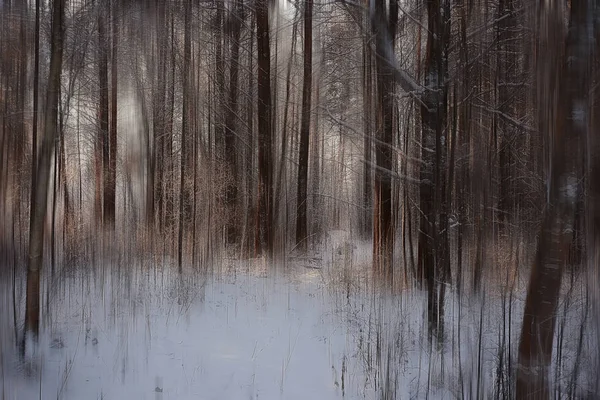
(383, 224)
(38, 215)
(301, 203)
(507, 65)
(264, 237)
(185, 192)
(34, 128)
(571, 70)
(110, 184)
(231, 153)
(102, 141)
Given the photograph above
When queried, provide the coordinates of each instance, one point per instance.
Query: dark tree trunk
(38, 216)
(168, 186)
(249, 242)
(20, 135)
(264, 237)
(506, 70)
(301, 219)
(383, 224)
(231, 153)
(463, 177)
(111, 176)
(569, 117)
(157, 159)
(220, 82)
(281, 171)
(185, 195)
(102, 142)
(433, 117)
(433, 258)
(367, 85)
(34, 130)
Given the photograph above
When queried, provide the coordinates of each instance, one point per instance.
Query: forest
(291, 199)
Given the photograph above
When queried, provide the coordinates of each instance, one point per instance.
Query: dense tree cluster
(191, 128)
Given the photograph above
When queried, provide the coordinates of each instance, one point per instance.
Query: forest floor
(314, 328)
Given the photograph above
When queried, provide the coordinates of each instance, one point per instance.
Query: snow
(578, 114)
(568, 187)
(310, 328)
(236, 337)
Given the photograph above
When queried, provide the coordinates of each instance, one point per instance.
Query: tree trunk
(34, 129)
(185, 195)
(281, 171)
(301, 220)
(111, 177)
(231, 153)
(507, 64)
(38, 216)
(433, 260)
(383, 225)
(264, 239)
(367, 93)
(102, 145)
(569, 117)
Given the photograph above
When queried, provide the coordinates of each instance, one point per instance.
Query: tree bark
(433, 259)
(506, 69)
(34, 129)
(264, 237)
(571, 69)
(367, 92)
(383, 224)
(301, 202)
(231, 153)
(185, 195)
(111, 177)
(102, 144)
(38, 216)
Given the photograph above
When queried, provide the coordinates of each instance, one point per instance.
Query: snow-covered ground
(311, 329)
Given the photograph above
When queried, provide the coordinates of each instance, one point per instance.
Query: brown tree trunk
(185, 195)
(38, 216)
(433, 257)
(367, 93)
(264, 239)
(506, 71)
(301, 199)
(219, 90)
(102, 141)
(231, 153)
(383, 224)
(281, 171)
(34, 133)
(168, 186)
(429, 111)
(571, 70)
(111, 177)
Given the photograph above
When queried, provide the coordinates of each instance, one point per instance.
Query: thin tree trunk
(186, 153)
(301, 223)
(34, 133)
(265, 134)
(506, 68)
(231, 153)
(111, 177)
(433, 262)
(282, 170)
(367, 81)
(102, 150)
(251, 149)
(383, 226)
